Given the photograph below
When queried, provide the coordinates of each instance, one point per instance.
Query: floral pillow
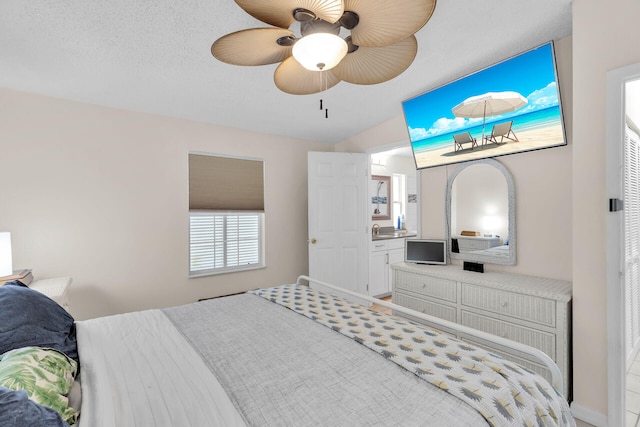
(45, 374)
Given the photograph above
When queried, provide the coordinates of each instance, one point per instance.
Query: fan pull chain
(326, 110)
(323, 87)
(326, 83)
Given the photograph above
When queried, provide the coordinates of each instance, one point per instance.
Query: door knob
(313, 240)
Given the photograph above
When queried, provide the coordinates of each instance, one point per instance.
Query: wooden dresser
(531, 310)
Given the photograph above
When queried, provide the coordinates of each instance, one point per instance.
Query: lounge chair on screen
(502, 131)
(463, 138)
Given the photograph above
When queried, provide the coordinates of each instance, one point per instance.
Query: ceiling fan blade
(384, 22)
(256, 46)
(293, 78)
(280, 12)
(372, 65)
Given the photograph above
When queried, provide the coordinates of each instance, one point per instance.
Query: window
(222, 241)
(399, 195)
(226, 214)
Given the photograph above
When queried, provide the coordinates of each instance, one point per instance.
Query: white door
(623, 235)
(338, 223)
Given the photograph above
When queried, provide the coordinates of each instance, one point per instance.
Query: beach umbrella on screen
(489, 104)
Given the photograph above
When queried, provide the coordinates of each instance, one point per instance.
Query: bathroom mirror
(381, 197)
(481, 213)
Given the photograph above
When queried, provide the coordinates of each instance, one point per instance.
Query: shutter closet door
(632, 239)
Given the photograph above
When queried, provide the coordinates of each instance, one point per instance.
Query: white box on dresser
(527, 309)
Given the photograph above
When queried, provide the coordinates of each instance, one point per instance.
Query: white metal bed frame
(556, 375)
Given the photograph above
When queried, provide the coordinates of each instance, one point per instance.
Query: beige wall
(101, 195)
(543, 188)
(605, 37)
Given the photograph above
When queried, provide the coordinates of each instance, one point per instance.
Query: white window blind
(220, 242)
(226, 214)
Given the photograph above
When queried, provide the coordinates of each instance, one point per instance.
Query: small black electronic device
(473, 266)
(425, 251)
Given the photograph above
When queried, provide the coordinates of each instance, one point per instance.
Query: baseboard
(587, 415)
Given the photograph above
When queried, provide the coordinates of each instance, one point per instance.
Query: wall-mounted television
(425, 251)
(510, 107)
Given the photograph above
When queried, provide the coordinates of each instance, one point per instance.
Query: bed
(501, 251)
(287, 355)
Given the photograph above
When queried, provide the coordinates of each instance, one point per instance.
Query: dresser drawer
(508, 354)
(535, 338)
(425, 306)
(379, 245)
(395, 244)
(525, 307)
(426, 285)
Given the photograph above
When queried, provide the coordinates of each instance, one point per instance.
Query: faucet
(375, 229)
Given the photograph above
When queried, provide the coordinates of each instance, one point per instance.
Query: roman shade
(225, 183)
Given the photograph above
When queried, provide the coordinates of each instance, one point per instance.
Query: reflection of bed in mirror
(468, 244)
(483, 246)
(499, 251)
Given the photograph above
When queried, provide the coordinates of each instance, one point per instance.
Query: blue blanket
(29, 318)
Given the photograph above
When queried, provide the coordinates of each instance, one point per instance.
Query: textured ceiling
(154, 56)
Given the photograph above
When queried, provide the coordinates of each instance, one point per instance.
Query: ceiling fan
(379, 46)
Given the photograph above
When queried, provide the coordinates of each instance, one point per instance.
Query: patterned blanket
(504, 393)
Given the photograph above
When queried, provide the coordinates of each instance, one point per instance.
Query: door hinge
(616, 205)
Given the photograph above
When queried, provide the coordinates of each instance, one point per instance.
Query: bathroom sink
(394, 235)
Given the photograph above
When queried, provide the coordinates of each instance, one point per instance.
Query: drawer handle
(424, 285)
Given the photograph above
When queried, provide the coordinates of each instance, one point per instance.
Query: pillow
(45, 374)
(16, 409)
(75, 396)
(30, 318)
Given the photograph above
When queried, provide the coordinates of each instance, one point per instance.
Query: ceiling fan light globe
(319, 51)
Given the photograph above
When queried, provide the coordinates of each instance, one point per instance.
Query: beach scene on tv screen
(511, 107)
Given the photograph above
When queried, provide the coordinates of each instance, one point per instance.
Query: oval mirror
(481, 217)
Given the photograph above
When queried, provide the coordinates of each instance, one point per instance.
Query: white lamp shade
(319, 51)
(6, 263)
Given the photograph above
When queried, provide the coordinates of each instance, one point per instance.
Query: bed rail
(556, 375)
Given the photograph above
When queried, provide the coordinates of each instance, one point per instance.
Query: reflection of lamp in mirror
(490, 224)
(6, 263)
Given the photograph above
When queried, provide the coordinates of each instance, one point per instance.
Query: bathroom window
(399, 194)
(226, 214)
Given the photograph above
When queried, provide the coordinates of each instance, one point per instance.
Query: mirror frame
(511, 259)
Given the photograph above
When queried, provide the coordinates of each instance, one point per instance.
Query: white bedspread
(136, 395)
